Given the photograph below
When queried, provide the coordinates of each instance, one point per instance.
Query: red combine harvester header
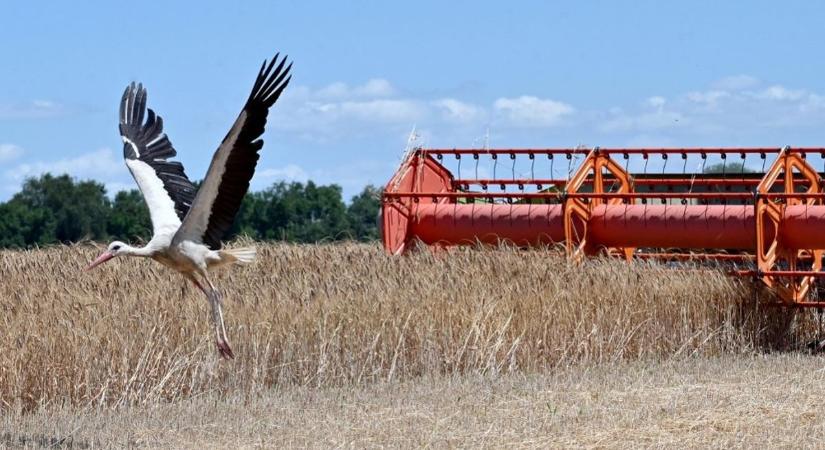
(770, 221)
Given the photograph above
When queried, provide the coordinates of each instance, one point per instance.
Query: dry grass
(338, 315)
(737, 401)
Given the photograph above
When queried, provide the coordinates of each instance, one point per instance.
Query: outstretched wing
(220, 196)
(147, 151)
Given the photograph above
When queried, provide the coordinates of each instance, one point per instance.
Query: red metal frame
(544, 182)
(599, 188)
(418, 173)
(578, 210)
(770, 212)
(617, 151)
(596, 196)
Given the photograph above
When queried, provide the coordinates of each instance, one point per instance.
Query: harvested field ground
(343, 345)
(730, 402)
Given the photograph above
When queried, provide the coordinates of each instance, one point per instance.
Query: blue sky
(541, 74)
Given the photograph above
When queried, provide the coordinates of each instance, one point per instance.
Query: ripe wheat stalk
(338, 314)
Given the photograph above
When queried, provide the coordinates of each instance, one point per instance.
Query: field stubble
(133, 333)
(731, 401)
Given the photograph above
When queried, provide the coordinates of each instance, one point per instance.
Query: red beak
(105, 256)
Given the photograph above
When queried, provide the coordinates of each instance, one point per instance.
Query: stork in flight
(188, 223)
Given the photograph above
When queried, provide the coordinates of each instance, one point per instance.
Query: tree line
(59, 209)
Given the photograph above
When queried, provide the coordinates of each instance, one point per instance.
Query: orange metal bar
(801, 304)
(698, 181)
(508, 182)
(696, 256)
(629, 151)
(578, 195)
(781, 273)
(577, 211)
(504, 152)
(779, 221)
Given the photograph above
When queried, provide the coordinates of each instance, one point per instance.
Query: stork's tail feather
(244, 255)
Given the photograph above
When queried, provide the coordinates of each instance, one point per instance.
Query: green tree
(13, 226)
(311, 213)
(129, 219)
(294, 212)
(248, 214)
(362, 214)
(52, 209)
(58, 209)
(728, 167)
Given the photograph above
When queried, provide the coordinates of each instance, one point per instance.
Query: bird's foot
(224, 349)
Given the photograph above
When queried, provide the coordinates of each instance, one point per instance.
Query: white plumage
(188, 223)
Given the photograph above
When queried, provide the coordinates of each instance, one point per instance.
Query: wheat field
(131, 334)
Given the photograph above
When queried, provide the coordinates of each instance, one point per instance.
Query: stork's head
(116, 248)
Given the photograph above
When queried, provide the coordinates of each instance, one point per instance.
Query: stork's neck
(145, 251)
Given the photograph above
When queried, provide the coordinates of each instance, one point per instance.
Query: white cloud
(736, 103)
(9, 152)
(334, 90)
(353, 175)
(529, 111)
(735, 110)
(781, 93)
(735, 83)
(656, 101)
(657, 119)
(350, 175)
(36, 109)
(290, 172)
(101, 165)
(381, 110)
(708, 98)
(454, 110)
(97, 163)
(644, 122)
(338, 109)
(646, 140)
(375, 87)
(812, 103)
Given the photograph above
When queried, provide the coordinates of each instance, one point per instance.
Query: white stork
(188, 223)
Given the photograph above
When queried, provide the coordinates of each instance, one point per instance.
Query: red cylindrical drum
(803, 227)
(454, 224)
(674, 226)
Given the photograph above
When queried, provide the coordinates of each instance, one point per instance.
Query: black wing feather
(246, 143)
(153, 147)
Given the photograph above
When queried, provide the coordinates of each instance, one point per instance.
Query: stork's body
(188, 223)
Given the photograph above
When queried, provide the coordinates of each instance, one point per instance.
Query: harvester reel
(768, 225)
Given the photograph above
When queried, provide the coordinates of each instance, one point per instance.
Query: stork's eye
(116, 248)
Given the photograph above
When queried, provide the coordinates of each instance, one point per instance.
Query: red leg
(196, 283)
(213, 297)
